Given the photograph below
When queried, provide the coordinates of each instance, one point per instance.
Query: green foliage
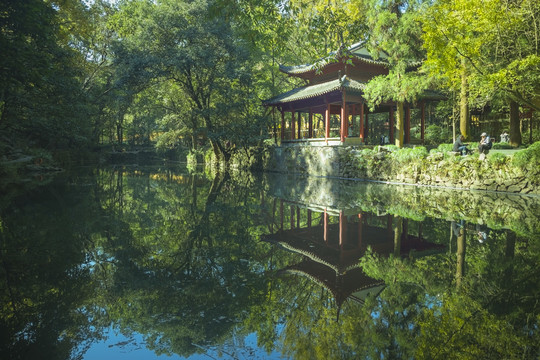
(338, 22)
(395, 34)
(497, 160)
(436, 134)
(42, 100)
(445, 147)
(192, 160)
(406, 155)
(501, 145)
(488, 40)
(528, 159)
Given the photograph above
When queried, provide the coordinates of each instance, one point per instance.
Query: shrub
(409, 154)
(436, 134)
(528, 158)
(497, 160)
(502, 146)
(445, 147)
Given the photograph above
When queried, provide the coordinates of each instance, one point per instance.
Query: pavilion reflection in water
(332, 243)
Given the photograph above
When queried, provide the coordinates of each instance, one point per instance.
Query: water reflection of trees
(178, 259)
(186, 275)
(44, 285)
(476, 300)
(159, 256)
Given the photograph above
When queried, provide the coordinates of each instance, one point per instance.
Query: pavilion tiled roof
(358, 51)
(310, 91)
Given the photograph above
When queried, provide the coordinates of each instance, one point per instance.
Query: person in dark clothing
(459, 146)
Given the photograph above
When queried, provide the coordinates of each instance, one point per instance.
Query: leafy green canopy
(497, 39)
(197, 60)
(395, 31)
(41, 74)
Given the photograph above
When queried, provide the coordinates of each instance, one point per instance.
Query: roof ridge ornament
(341, 78)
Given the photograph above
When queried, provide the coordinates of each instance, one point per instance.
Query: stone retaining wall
(437, 169)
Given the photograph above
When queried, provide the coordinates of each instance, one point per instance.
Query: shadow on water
(270, 267)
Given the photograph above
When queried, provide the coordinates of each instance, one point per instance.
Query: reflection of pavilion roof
(331, 258)
(310, 243)
(341, 286)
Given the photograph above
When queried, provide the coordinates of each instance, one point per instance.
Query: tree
(39, 77)
(395, 31)
(329, 25)
(497, 43)
(202, 58)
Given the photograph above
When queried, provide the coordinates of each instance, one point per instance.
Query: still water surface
(157, 263)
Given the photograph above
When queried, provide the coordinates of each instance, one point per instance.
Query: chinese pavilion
(334, 91)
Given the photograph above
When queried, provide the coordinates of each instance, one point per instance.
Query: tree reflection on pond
(314, 268)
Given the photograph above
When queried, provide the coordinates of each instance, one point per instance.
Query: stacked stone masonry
(347, 162)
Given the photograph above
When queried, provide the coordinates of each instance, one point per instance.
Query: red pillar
(344, 129)
(361, 124)
(325, 226)
(299, 125)
(327, 123)
(352, 111)
(309, 218)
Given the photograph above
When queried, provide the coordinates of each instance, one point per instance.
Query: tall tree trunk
(219, 152)
(461, 247)
(119, 132)
(194, 137)
(400, 124)
(398, 232)
(515, 129)
(464, 122)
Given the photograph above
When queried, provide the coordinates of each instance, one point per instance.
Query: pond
(153, 262)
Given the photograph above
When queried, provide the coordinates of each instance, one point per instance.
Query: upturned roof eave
(312, 91)
(306, 68)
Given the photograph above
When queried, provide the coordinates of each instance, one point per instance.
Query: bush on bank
(441, 166)
(517, 173)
